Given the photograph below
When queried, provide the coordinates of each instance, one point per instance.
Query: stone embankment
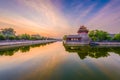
(108, 43)
(26, 42)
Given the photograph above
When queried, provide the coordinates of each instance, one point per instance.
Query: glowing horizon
(56, 18)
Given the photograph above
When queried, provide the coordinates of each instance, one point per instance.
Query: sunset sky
(55, 18)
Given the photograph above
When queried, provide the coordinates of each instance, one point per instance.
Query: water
(56, 61)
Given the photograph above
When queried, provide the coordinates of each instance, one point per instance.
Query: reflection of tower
(82, 55)
(83, 32)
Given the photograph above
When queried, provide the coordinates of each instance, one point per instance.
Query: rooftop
(83, 29)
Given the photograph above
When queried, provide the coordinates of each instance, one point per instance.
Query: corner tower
(82, 30)
(83, 33)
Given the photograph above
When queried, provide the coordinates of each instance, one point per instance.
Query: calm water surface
(56, 61)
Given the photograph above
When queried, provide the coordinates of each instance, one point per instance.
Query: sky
(56, 18)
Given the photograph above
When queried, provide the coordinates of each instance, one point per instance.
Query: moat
(56, 61)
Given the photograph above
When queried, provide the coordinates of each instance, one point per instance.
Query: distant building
(81, 38)
(112, 35)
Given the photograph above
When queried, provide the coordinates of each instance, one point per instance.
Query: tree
(43, 38)
(8, 32)
(25, 36)
(99, 35)
(92, 35)
(117, 37)
(18, 37)
(11, 37)
(2, 37)
(65, 37)
(35, 37)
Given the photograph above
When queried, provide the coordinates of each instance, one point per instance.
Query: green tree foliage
(11, 37)
(18, 37)
(8, 33)
(36, 37)
(2, 37)
(117, 37)
(25, 37)
(65, 37)
(99, 35)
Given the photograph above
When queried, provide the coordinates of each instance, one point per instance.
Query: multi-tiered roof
(83, 29)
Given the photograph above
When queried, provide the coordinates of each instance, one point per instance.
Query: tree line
(10, 34)
(99, 35)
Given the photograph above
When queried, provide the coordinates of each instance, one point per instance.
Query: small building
(81, 38)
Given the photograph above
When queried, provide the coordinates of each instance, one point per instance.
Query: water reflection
(10, 51)
(52, 62)
(94, 52)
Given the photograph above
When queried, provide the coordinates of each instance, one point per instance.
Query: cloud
(85, 13)
(108, 18)
(39, 16)
(25, 25)
(51, 17)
